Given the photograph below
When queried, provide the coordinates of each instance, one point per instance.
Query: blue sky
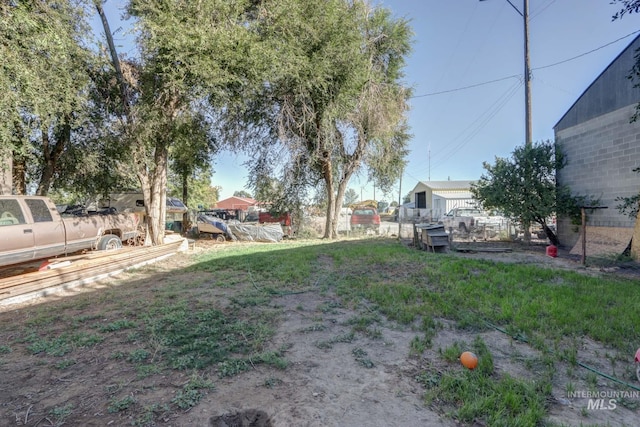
(463, 43)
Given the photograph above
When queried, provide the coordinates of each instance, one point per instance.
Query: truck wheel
(109, 242)
(220, 238)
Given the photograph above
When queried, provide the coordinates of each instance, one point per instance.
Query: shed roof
(447, 185)
(453, 195)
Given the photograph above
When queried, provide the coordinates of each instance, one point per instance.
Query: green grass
(480, 394)
(181, 324)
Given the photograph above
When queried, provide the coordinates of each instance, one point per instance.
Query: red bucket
(552, 251)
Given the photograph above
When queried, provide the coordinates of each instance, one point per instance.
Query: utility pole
(528, 140)
(527, 75)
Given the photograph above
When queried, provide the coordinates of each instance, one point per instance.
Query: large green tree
(524, 188)
(335, 102)
(44, 80)
(191, 53)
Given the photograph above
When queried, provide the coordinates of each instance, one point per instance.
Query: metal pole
(527, 70)
(527, 76)
(584, 236)
(400, 207)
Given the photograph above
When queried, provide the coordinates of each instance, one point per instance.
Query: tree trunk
(124, 93)
(6, 172)
(330, 224)
(342, 189)
(553, 238)
(635, 240)
(19, 174)
(186, 223)
(51, 157)
(154, 192)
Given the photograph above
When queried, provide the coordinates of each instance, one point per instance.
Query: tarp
(257, 232)
(211, 224)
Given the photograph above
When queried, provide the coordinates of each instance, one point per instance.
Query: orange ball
(469, 360)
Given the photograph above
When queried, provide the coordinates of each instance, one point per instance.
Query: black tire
(109, 242)
(220, 238)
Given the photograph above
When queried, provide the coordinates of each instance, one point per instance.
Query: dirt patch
(334, 377)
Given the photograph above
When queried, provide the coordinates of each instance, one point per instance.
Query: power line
(480, 123)
(467, 134)
(586, 53)
(520, 76)
(541, 9)
(467, 87)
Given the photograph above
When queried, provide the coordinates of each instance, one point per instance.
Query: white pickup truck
(31, 228)
(473, 220)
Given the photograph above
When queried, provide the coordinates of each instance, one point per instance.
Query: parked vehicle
(285, 220)
(461, 219)
(134, 202)
(210, 224)
(477, 222)
(365, 218)
(31, 228)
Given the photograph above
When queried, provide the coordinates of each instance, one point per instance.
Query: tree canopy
(334, 104)
(524, 187)
(313, 90)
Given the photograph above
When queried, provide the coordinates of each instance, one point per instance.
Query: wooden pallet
(79, 270)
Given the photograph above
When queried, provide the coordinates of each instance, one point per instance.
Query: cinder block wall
(601, 155)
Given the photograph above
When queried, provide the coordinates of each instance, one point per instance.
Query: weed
(5, 349)
(54, 347)
(418, 346)
(230, 368)
(185, 399)
(452, 354)
(118, 405)
(373, 333)
(82, 339)
(362, 322)
(570, 388)
(65, 363)
(272, 382)
(271, 358)
(592, 381)
(343, 338)
(330, 307)
(60, 414)
(148, 415)
(361, 357)
(138, 355)
(117, 355)
(316, 327)
(118, 325)
(192, 392)
(144, 371)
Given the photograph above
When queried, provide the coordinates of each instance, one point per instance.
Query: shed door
(421, 200)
